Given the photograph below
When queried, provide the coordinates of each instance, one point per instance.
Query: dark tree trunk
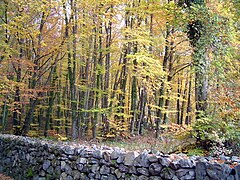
(189, 107)
(196, 35)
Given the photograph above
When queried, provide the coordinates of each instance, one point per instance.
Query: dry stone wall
(29, 158)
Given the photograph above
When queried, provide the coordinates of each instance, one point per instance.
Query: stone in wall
(29, 158)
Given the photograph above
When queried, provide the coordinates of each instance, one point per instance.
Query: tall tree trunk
(159, 114)
(34, 79)
(196, 35)
(17, 108)
(142, 109)
(184, 101)
(4, 114)
(169, 79)
(72, 75)
(29, 116)
(105, 101)
(178, 101)
(49, 120)
(71, 56)
(189, 107)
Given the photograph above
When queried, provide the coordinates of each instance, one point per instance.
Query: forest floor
(173, 139)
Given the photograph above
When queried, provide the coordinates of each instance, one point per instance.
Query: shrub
(217, 136)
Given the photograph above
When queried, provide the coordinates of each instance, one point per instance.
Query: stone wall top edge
(23, 140)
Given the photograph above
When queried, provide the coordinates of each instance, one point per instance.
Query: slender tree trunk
(143, 101)
(29, 116)
(17, 109)
(52, 95)
(184, 101)
(4, 114)
(178, 101)
(189, 107)
(72, 75)
(162, 88)
(105, 102)
(201, 84)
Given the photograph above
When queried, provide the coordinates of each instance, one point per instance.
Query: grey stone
(97, 154)
(120, 159)
(68, 169)
(141, 161)
(214, 171)
(226, 170)
(57, 170)
(174, 164)
(112, 169)
(142, 177)
(175, 178)
(236, 159)
(50, 170)
(231, 177)
(68, 150)
(237, 172)
(186, 163)
(93, 161)
(95, 168)
(41, 178)
(167, 173)
(51, 157)
(76, 174)
(143, 171)
(129, 158)
(69, 178)
(152, 158)
(155, 178)
(27, 156)
(80, 167)
(104, 170)
(91, 175)
(115, 154)
(201, 170)
(63, 176)
(97, 175)
(86, 153)
(42, 173)
(118, 173)
(224, 158)
(63, 164)
(164, 161)
(111, 177)
(218, 171)
(104, 177)
(132, 170)
(106, 156)
(133, 177)
(155, 169)
(123, 169)
(46, 164)
(103, 162)
(187, 177)
(182, 172)
(72, 158)
(85, 169)
(81, 161)
(36, 177)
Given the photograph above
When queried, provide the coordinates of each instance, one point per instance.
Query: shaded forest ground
(174, 138)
